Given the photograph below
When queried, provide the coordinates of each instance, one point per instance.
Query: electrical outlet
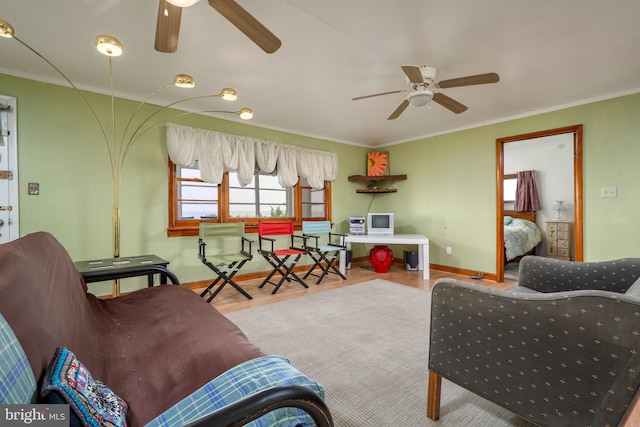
(448, 250)
(34, 188)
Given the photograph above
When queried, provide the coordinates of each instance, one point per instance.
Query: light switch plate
(34, 188)
(611, 191)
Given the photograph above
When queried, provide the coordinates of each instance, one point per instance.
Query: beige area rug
(367, 344)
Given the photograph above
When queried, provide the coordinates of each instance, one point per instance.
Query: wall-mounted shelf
(377, 190)
(379, 178)
(364, 178)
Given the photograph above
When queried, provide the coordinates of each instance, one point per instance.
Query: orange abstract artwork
(377, 163)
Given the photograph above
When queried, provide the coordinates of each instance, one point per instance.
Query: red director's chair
(282, 260)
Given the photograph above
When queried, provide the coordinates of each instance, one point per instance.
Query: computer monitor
(379, 223)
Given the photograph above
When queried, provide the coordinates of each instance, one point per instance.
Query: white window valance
(217, 153)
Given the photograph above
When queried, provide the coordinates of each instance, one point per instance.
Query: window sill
(182, 231)
(194, 229)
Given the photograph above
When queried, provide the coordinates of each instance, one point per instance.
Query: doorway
(8, 171)
(531, 138)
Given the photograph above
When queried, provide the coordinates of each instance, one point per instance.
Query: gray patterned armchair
(560, 349)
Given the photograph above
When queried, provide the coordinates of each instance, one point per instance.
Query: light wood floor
(230, 300)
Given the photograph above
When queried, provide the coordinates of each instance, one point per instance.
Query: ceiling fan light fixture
(183, 3)
(108, 45)
(6, 30)
(228, 94)
(245, 113)
(420, 97)
(184, 80)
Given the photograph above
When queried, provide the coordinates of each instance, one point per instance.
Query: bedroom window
(510, 183)
(192, 200)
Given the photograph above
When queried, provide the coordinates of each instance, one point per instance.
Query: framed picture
(378, 163)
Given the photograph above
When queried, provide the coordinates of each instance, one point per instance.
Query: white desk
(395, 239)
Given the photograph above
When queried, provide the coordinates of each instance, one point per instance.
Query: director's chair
(279, 258)
(324, 256)
(225, 244)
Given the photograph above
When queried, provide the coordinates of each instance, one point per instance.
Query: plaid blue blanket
(17, 384)
(240, 381)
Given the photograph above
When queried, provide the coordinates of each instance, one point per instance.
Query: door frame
(10, 230)
(578, 239)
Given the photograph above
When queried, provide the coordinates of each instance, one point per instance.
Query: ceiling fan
(423, 86)
(170, 12)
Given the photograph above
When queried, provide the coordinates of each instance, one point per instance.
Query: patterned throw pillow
(92, 403)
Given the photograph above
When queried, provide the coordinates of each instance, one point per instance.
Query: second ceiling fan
(170, 13)
(422, 89)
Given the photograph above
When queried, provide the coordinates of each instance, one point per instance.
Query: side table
(100, 270)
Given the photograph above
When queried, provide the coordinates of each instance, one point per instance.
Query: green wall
(449, 194)
(60, 146)
(450, 191)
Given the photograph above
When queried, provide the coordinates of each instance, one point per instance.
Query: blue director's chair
(323, 255)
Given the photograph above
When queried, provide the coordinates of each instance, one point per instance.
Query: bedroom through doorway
(562, 149)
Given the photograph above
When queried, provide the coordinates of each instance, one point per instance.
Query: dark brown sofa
(153, 347)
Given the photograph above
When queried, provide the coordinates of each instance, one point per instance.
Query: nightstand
(559, 239)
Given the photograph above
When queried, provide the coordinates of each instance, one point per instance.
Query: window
(262, 198)
(191, 200)
(509, 189)
(196, 199)
(314, 203)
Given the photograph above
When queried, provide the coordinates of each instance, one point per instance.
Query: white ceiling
(548, 53)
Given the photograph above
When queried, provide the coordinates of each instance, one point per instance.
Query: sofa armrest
(256, 405)
(262, 377)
